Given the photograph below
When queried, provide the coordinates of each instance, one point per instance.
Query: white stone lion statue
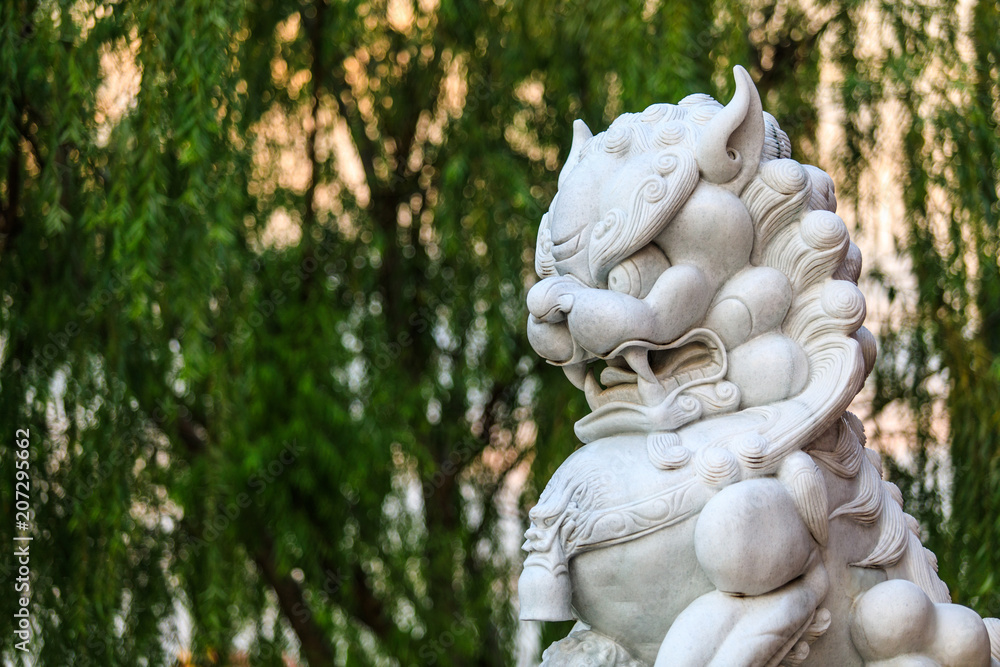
(698, 286)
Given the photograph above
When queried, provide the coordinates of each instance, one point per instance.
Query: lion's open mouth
(642, 373)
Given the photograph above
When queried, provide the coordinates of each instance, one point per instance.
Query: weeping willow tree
(939, 69)
(262, 275)
(262, 271)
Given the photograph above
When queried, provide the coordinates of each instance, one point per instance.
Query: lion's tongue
(612, 375)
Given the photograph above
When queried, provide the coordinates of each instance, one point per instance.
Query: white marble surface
(698, 286)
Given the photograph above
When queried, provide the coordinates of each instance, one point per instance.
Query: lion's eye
(637, 274)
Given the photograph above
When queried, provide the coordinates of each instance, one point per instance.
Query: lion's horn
(730, 147)
(581, 135)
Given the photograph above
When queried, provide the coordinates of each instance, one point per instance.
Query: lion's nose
(548, 301)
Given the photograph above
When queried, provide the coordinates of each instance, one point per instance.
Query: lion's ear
(730, 147)
(581, 135)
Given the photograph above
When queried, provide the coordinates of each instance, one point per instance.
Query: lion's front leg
(769, 576)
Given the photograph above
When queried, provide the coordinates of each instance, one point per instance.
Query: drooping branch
(314, 644)
(291, 599)
(318, 75)
(363, 604)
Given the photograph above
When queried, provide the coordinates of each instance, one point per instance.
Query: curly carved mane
(699, 287)
(797, 232)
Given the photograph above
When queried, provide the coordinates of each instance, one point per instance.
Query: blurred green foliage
(942, 72)
(262, 271)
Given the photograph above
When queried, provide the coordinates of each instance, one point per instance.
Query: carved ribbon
(583, 531)
(605, 528)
